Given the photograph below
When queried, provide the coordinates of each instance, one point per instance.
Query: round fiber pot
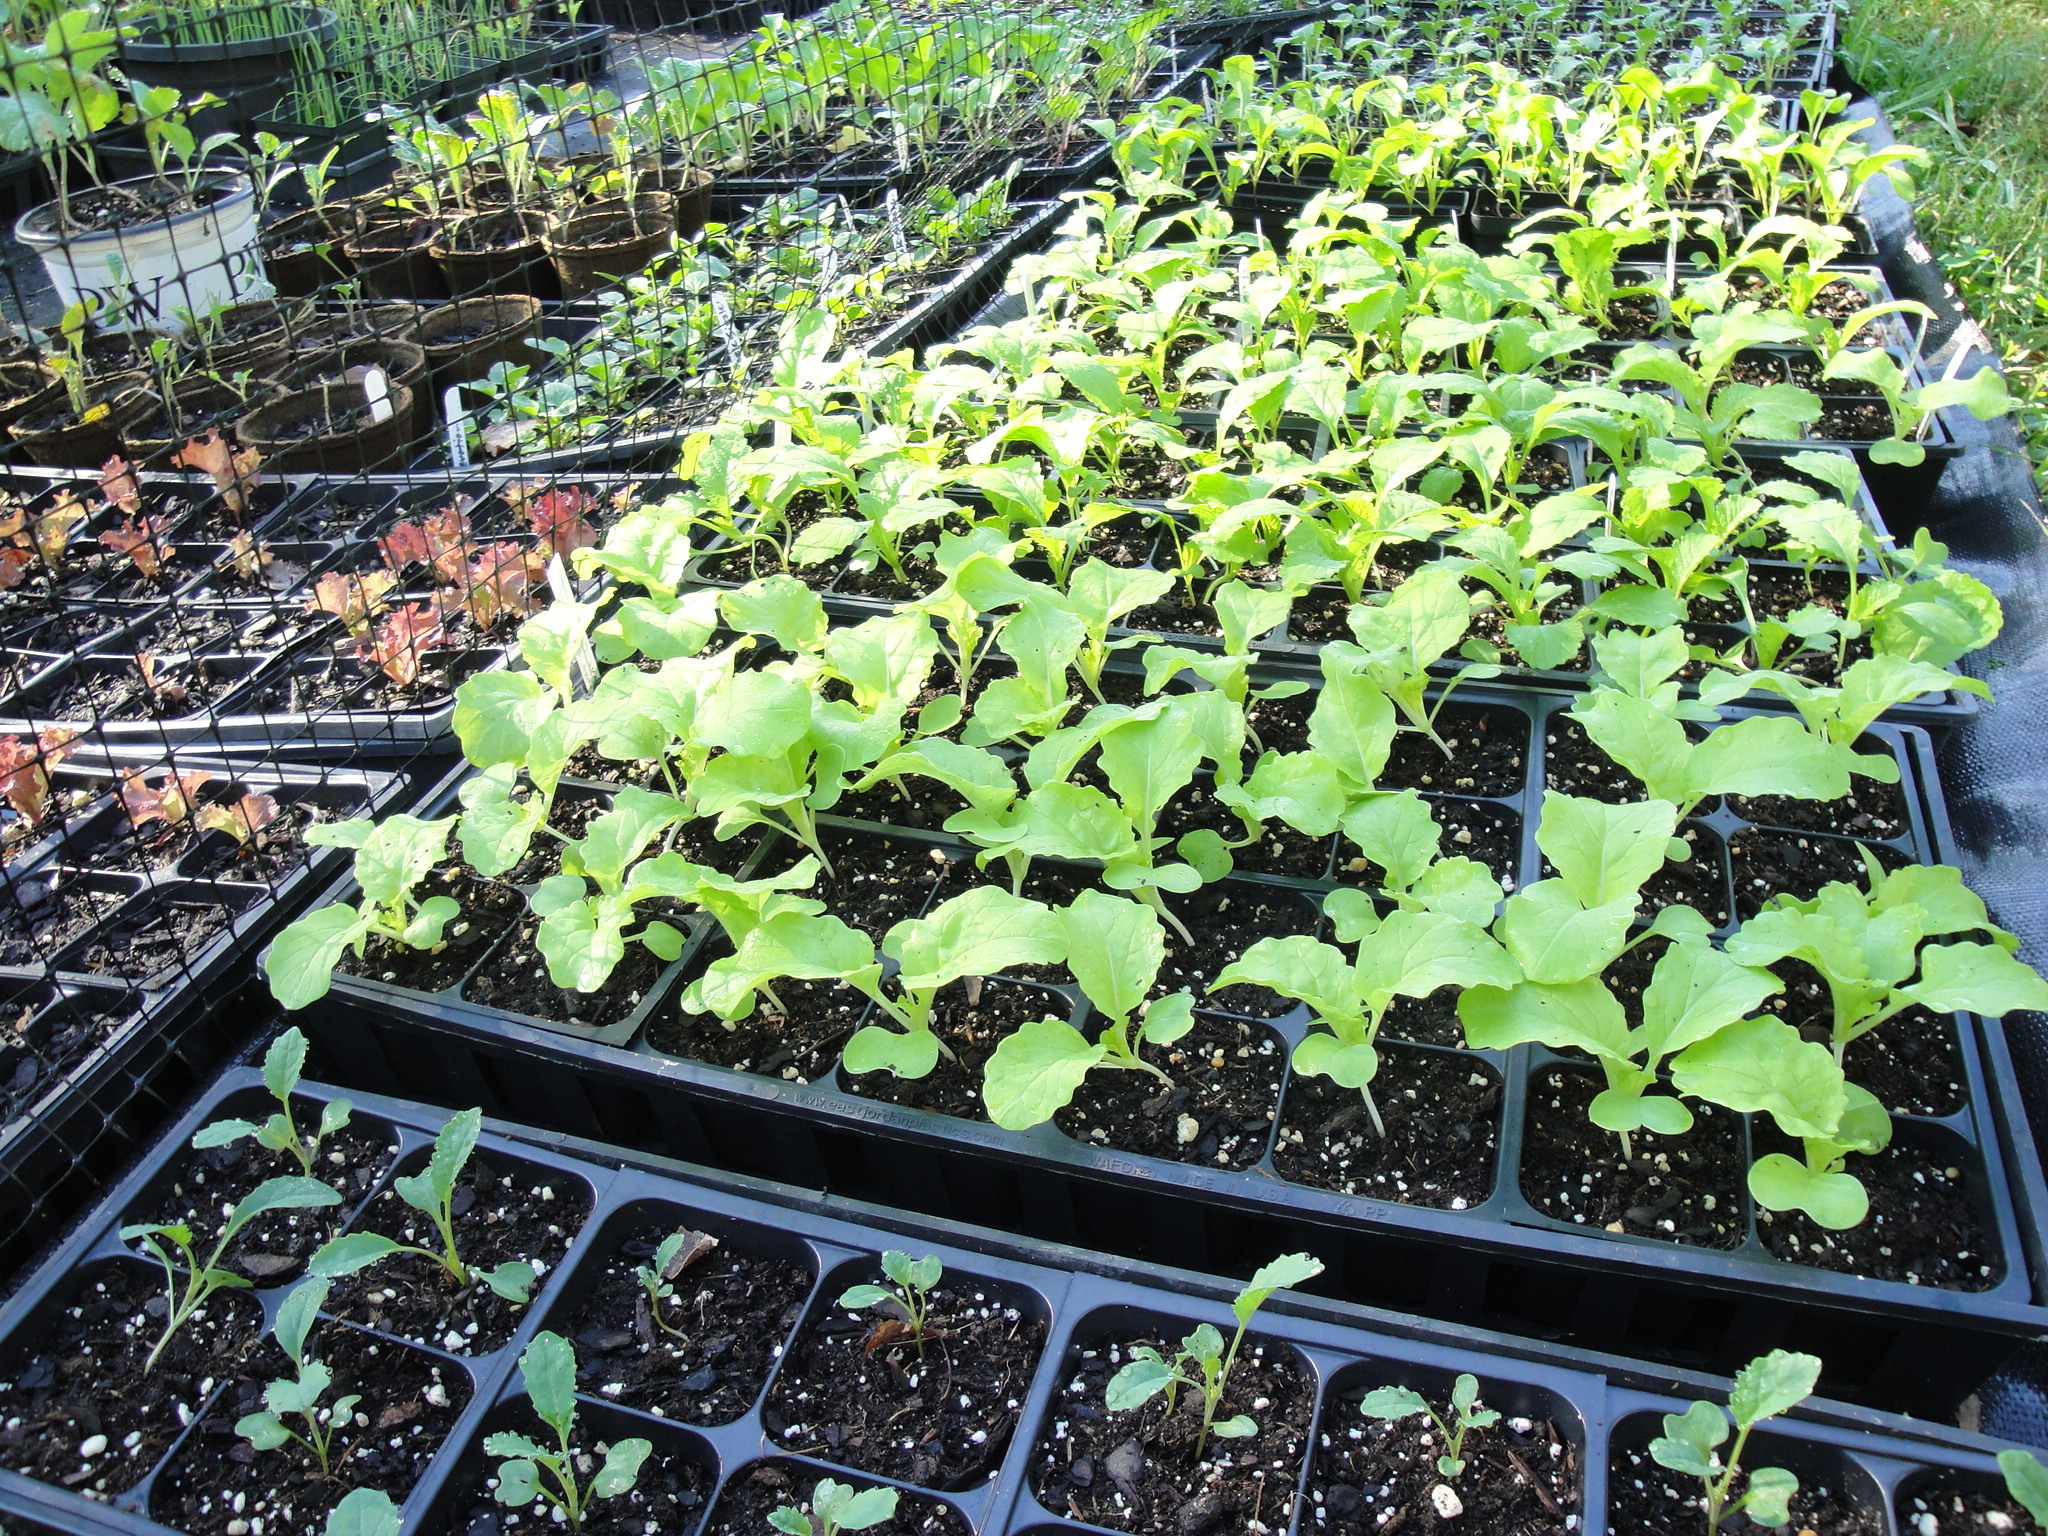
(464, 340)
(251, 75)
(594, 249)
(27, 387)
(364, 322)
(490, 253)
(251, 338)
(403, 362)
(143, 270)
(328, 428)
(162, 427)
(690, 186)
(303, 252)
(54, 437)
(394, 258)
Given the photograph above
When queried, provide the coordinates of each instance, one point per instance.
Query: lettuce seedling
(299, 1398)
(282, 1064)
(1203, 1364)
(2027, 1481)
(583, 936)
(1396, 1403)
(909, 1293)
(1511, 559)
(357, 600)
(1691, 1442)
(25, 771)
(1405, 954)
(1705, 409)
(202, 1279)
(1983, 394)
(1114, 948)
(535, 1473)
(978, 933)
(836, 1507)
(1401, 636)
(392, 857)
(677, 1252)
(431, 1192)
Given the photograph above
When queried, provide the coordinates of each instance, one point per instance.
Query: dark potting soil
(159, 935)
(666, 1496)
(219, 1482)
(917, 802)
(755, 1493)
(1472, 829)
(1644, 1499)
(1431, 1020)
(1852, 421)
(1489, 748)
(730, 1311)
(33, 1051)
(1572, 765)
(1870, 810)
(1912, 1061)
(1226, 919)
(971, 1017)
(97, 695)
(1442, 1118)
(1679, 1189)
(1216, 1112)
(43, 917)
(502, 1212)
(1769, 863)
(875, 881)
(488, 908)
(1936, 1510)
(517, 979)
(159, 845)
(797, 1039)
(1521, 1476)
(76, 1408)
(1174, 614)
(274, 1247)
(857, 1390)
(1137, 1470)
(1280, 850)
(1920, 1230)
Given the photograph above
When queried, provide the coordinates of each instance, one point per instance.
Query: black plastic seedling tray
(1594, 1405)
(1501, 1260)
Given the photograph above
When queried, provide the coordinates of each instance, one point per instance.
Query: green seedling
(392, 857)
(432, 1193)
(836, 1507)
(678, 1251)
(1203, 1364)
(202, 1280)
(1466, 1415)
(908, 1292)
(1691, 1442)
(2027, 1481)
(363, 1512)
(534, 1473)
(299, 1398)
(282, 1064)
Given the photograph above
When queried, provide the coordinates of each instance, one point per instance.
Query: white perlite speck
(1448, 1505)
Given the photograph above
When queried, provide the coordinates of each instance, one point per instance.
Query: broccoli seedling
(910, 1291)
(836, 1507)
(678, 1251)
(282, 1064)
(201, 1280)
(1203, 1365)
(1764, 1388)
(1393, 1403)
(432, 1193)
(299, 1398)
(532, 1472)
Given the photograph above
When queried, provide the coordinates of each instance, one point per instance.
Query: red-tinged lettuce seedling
(1396, 1403)
(1203, 1364)
(553, 1476)
(25, 770)
(431, 1192)
(171, 802)
(1114, 947)
(1404, 954)
(392, 857)
(189, 1281)
(298, 1398)
(401, 640)
(146, 542)
(283, 1062)
(233, 471)
(356, 600)
(1691, 1442)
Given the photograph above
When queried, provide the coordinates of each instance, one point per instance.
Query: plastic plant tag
(893, 206)
(377, 391)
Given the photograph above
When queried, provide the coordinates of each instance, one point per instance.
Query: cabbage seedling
(836, 1507)
(299, 1398)
(432, 1193)
(392, 857)
(536, 1473)
(1691, 1442)
(1394, 1403)
(909, 1291)
(1203, 1365)
(678, 1251)
(202, 1280)
(282, 1064)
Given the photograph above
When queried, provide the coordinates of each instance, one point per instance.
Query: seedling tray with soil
(750, 1278)
(1466, 1171)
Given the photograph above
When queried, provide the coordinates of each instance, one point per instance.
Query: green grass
(1967, 80)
